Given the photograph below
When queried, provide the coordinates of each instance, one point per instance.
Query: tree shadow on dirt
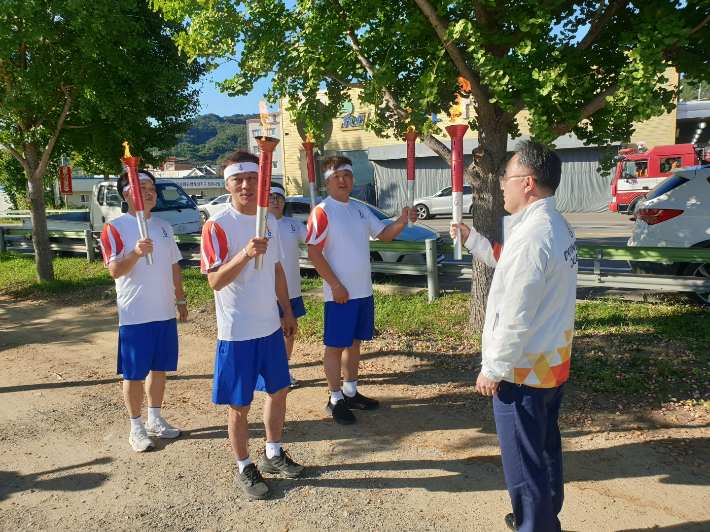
(12, 482)
(703, 526)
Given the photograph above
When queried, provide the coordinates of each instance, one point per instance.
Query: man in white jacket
(527, 335)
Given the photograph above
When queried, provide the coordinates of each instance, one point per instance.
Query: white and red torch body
(310, 165)
(411, 138)
(266, 153)
(456, 132)
(131, 164)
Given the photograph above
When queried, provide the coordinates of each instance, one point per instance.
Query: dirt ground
(428, 459)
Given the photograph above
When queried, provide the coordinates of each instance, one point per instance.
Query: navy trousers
(531, 449)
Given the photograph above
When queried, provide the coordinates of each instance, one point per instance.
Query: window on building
(255, 150)
(275, 164)
(84, 198)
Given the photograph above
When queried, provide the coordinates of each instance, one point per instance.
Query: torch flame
(456, 111)
(309, 137)
(411, 129)
(127, 151)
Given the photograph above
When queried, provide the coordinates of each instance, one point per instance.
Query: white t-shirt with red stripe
(291, 232)
(246, 308)
(343, 230)
(146, 293)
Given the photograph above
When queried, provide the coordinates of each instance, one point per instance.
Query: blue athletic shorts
(344, 323)
(297, 306)
(238, 366)
(147, 347)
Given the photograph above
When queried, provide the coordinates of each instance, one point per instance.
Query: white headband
(240, 168)
(277, 190)
(140, 176)
(329, 173)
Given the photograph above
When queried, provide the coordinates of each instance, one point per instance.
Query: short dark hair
(239, 156)
(123, 180)
(543, 163)
(334, 162)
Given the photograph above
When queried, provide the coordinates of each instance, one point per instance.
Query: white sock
(350, 388)
(153, 414)
(335, 396)
(273, 448)
(136, 423)
(243, 463)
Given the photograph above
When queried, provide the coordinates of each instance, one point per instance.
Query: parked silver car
(441, 203)
(299, 208)
(213, 207)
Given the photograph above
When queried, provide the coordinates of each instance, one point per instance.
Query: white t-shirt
(343, 230)
(246, 307)
(146, 293)
(291, 232)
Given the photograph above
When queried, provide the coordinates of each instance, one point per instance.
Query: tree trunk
(38, 215)
(489, 162)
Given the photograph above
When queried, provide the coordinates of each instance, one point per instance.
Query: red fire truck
(638, 171)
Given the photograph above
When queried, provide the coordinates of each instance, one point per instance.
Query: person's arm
(179, 295)
(392, 231)
(226, 273)
(320, 263)
(484, 249)
(288, 322)
(524, 281)
(123, 266)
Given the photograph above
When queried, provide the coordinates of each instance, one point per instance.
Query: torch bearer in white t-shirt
(456, 132)
(131, 164)
(310, 165)
(411, 138)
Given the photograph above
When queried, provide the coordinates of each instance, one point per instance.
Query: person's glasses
(276, 199)
(505, 178)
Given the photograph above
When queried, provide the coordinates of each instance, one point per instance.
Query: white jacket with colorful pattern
(527, 335)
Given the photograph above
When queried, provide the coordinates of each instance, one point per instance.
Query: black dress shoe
(510, 521)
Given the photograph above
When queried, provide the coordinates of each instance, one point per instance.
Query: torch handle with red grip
(263, 191)
(131, 164)
(456, 132)
(310, 165)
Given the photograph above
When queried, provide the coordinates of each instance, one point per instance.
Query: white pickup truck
(173, 205)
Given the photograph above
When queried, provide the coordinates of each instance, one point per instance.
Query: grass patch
(642, 348)
(18, 276)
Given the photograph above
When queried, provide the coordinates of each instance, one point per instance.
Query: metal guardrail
(20, 239)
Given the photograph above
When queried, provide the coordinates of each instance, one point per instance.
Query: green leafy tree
(82, 76)
(692, 90)
(590, 68)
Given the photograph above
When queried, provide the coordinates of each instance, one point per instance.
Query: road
(602, 229)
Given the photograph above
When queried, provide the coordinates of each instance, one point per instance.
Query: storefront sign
(65, 180)
(351, 121)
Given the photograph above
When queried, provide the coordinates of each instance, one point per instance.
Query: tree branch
(701, 25)
(53, 139)
(440, 26)
(599, 23)
(17, 155)
(587, 110)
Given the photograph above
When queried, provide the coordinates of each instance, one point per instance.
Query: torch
(267, 145)
(411, 138)
(131, 164)
(309, 145)
(456, 132)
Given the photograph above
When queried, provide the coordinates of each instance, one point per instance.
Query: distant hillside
(211, 138)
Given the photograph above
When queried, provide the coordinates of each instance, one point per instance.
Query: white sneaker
(140, 441)
(162, 429)
(294, 382)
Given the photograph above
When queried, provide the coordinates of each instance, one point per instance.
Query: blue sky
(213, 101)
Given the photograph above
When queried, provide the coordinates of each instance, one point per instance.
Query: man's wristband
(336, 287)
(181, 302)
(246, 254)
